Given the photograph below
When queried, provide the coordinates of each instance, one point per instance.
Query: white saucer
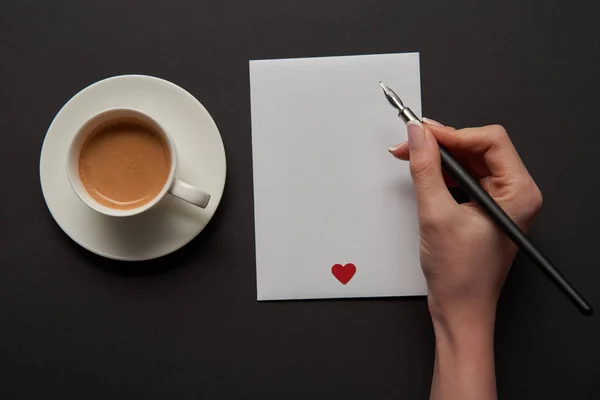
(172, 223)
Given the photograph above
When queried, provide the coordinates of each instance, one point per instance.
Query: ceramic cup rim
(89, 127)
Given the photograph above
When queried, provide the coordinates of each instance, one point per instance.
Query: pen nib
(392, 97)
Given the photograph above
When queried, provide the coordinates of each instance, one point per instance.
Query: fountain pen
(480, 197)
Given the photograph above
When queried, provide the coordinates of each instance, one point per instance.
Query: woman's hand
(464, 256)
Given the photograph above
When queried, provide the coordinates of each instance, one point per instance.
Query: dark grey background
(75, 326)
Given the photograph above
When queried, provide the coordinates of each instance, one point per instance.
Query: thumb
(426, 170)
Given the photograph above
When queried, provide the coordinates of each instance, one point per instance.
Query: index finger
(492, 142)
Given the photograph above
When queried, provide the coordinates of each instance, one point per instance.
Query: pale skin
(464, 256)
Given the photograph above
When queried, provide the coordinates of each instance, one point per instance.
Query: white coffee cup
(172, 186)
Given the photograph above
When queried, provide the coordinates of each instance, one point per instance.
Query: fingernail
(394, 148)
(416, 136)
(431, 122)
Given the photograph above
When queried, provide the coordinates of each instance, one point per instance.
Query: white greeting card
(335, 213)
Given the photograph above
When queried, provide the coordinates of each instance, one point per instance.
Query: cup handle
(188, 193)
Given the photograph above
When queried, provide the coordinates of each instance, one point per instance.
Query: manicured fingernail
(416, 136)
(431, 122)
(398, 146)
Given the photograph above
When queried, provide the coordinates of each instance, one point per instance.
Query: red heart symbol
(343, 273)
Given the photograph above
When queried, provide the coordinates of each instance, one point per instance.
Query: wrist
(450, 315)
(462, 326)
(461, 335)
(464, 357)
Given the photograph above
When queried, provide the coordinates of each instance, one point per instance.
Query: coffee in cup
(124, 165)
